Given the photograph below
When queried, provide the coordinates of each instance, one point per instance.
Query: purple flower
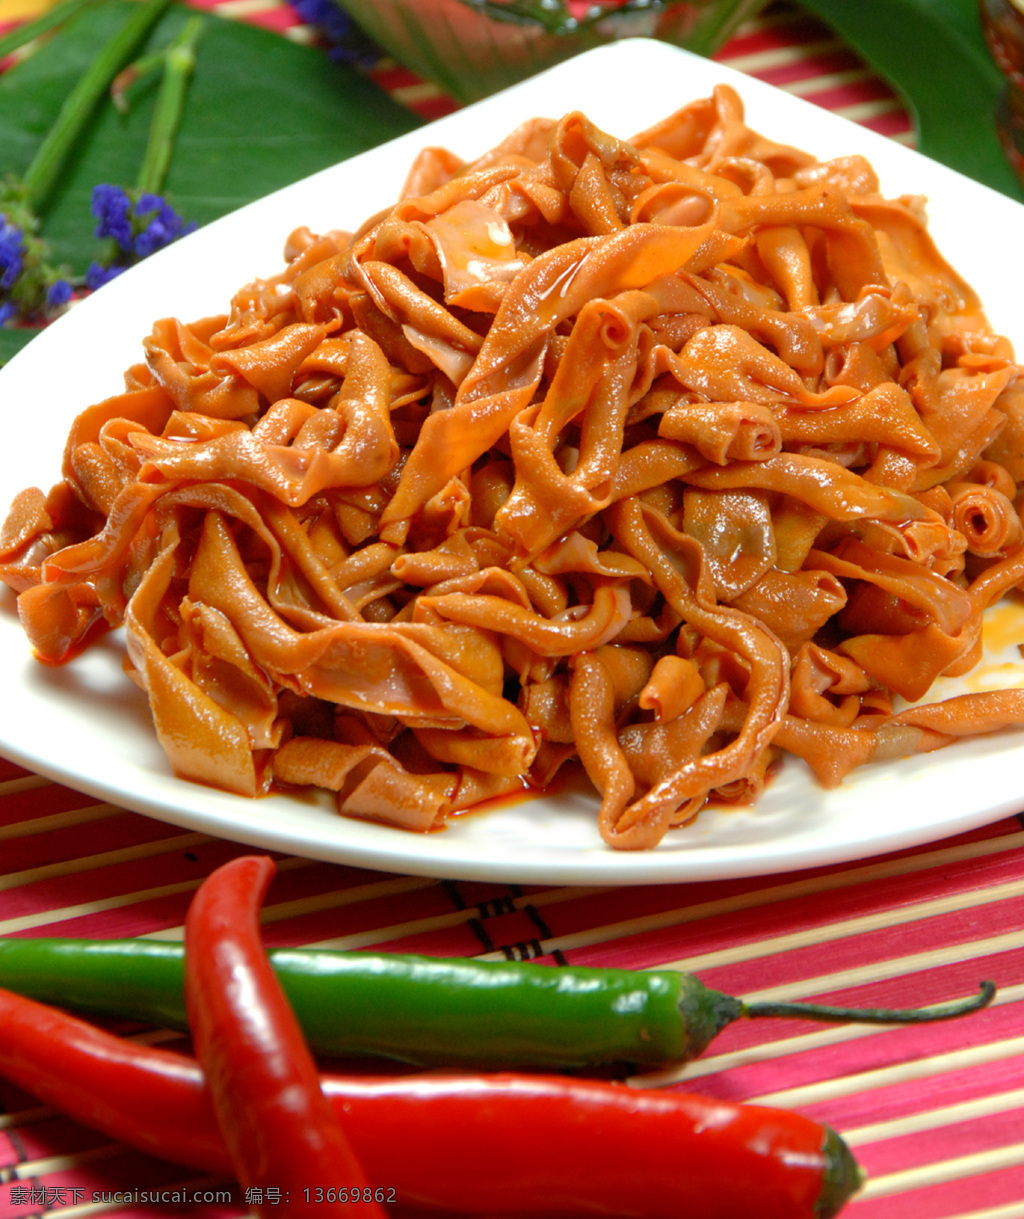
(140, 226)
(162, 224)
(346, 41)
(58, 294)
(325, 14)
(97, 275)
(12, 250)
(112, 208)
(31, 290)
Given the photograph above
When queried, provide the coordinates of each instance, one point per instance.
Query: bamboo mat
(934, 1114)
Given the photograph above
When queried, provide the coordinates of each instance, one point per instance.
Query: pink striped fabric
(935, 1114)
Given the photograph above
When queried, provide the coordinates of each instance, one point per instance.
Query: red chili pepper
(459, 1143)
(285, 1139)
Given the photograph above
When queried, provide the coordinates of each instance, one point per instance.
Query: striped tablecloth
(934, 1114)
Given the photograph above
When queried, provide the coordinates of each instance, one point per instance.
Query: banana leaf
(934, 55)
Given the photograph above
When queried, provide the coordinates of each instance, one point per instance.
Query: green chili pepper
(431, 1011)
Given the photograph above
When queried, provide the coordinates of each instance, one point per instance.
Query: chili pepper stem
(875, 1015)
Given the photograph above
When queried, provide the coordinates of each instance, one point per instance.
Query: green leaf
(12, 340)
(261, 112)
(934, 54)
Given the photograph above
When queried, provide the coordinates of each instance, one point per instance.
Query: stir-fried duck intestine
(669, 456)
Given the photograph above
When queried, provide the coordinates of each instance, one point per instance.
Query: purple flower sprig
(31, 289)
(345, 41)
(136, 223)
(12, 250)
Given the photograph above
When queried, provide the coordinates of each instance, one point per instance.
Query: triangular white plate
(85, 725)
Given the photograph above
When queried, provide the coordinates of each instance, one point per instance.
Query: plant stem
(41, 176)
(179, 60)
(24, 33)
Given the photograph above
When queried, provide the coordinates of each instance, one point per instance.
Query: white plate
(85, 725)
